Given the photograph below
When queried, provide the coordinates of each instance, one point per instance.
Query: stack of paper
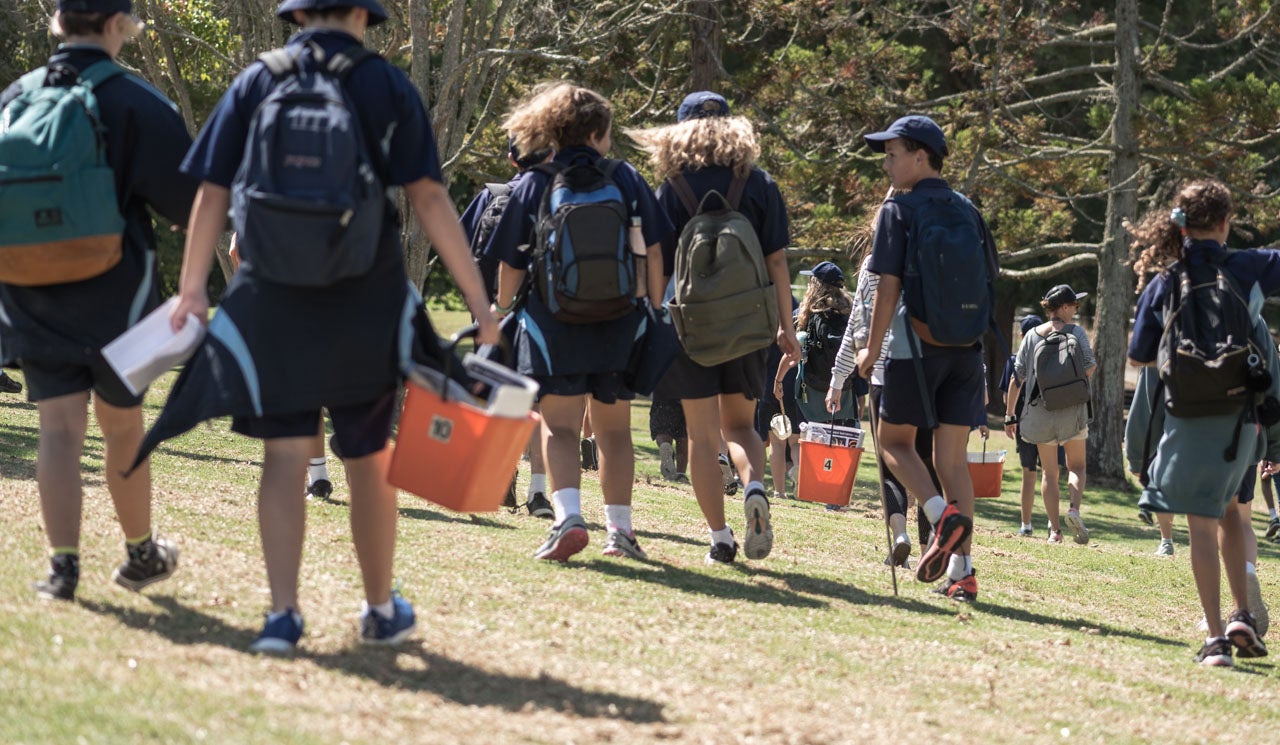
(151, 347)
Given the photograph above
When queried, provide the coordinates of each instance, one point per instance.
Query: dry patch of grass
(810, 646)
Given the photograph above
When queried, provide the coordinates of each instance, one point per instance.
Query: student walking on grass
(1208, 425)
(55, 331)
(708, 150)
(1054, 369)
(933, 377)
(577, 330)
(292, 299)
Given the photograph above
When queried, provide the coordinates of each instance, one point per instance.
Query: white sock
(386, 610)
(754, 486)
(318, 469)
(1249, 568)
(902, 538)
(723, 535)
(537, 484)
(968, 564)
(618, 517)
(1027, 526)
(1273, 513)
(934, 507)
(955, 568)
(566, 502)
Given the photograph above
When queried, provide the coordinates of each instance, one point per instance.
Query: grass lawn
(1066, 643)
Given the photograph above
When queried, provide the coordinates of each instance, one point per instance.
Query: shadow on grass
(207, 458)
(470, 518)
(19, 444)
(435, 673)
(1071, 624)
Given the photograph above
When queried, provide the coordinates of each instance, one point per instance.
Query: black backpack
(1059, 366)
(1207, 351)
(823, 335)
(584, 269)
(306, 201)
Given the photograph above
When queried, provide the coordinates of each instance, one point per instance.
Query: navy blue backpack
(948, 285)
(306, 202)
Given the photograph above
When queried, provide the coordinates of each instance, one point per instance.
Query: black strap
(1144, 478)
(284, 61)
(926, 400)
(684, 192)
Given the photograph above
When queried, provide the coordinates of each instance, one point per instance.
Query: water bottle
(640, 256)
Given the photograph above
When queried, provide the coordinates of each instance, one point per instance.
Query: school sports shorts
(46, 380)
(358, 429)
(953, 380)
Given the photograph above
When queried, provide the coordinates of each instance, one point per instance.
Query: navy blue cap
(1063, 295)
(1030, 321)
(106, 7)
(917, 127)
(826, 272)
(377, 14)
(701, 105)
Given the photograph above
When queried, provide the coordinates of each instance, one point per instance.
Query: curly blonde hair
(819, 298)
(728, 141)
(1157, 239)
(558, 115)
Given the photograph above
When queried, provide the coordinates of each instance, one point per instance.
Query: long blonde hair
(558, 115)
(1157, 239)
(728, 141)
(819, 298)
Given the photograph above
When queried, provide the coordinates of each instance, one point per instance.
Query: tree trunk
(706, 44)
(417, 249)
(1115, 278)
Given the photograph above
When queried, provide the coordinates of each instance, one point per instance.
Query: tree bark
(706, 44)
(417, 248)
(1115, 278)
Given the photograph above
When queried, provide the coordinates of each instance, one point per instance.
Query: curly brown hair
(728, 141)
(820, 297)
(1157, 239)
(558, 115)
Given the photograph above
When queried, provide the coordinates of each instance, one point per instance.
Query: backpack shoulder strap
(736, 188)
(607, 166)
(34, 79)
(342, 64)
(499, 190)
(100, 72)
(680, 185)
(279, 62)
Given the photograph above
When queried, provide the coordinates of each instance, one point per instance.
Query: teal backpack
(59, 218)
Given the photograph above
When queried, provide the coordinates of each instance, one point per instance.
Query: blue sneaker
(280, 633)
(374, 629)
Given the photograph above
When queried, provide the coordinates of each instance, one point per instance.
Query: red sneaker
(965, 590)
(950, 531)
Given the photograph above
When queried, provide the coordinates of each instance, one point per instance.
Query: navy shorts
(607, 388)
(1029, 455)
(358, 429)
(688, 379)
(51, 380)
(1245, 495)
(953, 380)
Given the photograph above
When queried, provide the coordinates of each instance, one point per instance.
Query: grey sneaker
(564, 540)
(1165, 548)
(1273, 528)
(730, 477)
(623, 544)
(667, 461)
(64, 575)
(1257, 606)
(901, 551)
(759, 540)
(1026, 531)
(1080, 532)
(149, 562)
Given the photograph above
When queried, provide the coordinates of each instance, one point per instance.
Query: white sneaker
(1077, 527)
(667, 461)
(1165, 548)
(759, 539)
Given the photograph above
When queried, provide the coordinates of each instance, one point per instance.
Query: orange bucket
(986, 470)
(827, 472)
(454, 453)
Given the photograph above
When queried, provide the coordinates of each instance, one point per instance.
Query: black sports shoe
(1145, 516)
(64, 575)
(8, 384)
(540, 506)
(149, 562)
(510, 501)
(964, 590)
(1215, 653)
(590, 454)
(722, 553)
(1243, 633)
(320, 488)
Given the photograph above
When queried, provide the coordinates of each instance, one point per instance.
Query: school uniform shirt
(547, 347)
(145, 141)
(471, 225)
(761, 204)
(1189, 473)
(889, 256)
(1036, 423)
(277, 349)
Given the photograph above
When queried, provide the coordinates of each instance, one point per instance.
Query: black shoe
(540, 506)
(8, 384)
(64, 575)
(1215, 653)
(1243, 633)
(1145, 517)
(149, 562)
(723, 553)
(509, 501)
(320, 488)
(590, 454)
(964, 590)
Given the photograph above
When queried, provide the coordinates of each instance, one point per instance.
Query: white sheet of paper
(151, 348)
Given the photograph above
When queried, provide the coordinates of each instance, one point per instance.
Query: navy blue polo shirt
(761, 204)
(471, 224)
(521, 215)
(396, 127)
(1251, 267)
(889, 248)
(145, 141)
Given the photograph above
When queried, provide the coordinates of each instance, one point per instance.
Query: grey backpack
(724, 304)
(1059, 366)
